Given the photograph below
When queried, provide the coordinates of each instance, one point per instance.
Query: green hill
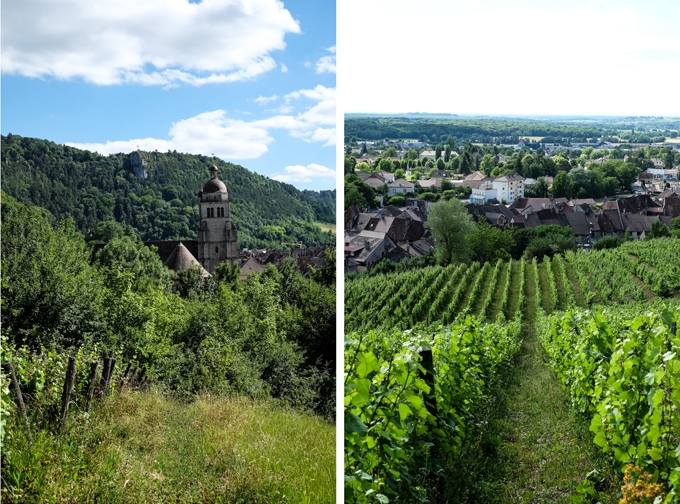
(163, 206)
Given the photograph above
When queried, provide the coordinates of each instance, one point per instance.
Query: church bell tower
(217, 241)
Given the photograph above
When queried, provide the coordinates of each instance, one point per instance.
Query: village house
(366, 249)
(373, 179)
(509, 187)
(400, 186)
(483, 193)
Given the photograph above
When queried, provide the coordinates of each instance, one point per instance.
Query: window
(217, 250)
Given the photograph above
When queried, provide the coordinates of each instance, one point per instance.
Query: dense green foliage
(270, 336)
(541, 241)
(462, 129)
(435, 128)
(398, 428)
(357, 193)
(93, 189)
(621, 369)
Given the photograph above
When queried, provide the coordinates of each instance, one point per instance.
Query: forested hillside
(93, 188)
(504, 129)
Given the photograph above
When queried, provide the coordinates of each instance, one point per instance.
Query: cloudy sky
(608, 57)
(250, 81)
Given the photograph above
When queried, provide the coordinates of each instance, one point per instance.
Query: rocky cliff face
(137, 164)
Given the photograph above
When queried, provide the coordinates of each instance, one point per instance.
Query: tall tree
(450, 223)
(563, 185)
(465, 164)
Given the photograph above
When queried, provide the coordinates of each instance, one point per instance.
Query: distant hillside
(163, 206)
(461, 128)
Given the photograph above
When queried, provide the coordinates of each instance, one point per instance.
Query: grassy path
(580, 298)
(514, 288)
(476, 308)
(465, 301)
(545, 288)
(545, 450)
(561, 293)
(495, 306)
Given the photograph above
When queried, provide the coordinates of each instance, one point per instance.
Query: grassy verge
(142, 447)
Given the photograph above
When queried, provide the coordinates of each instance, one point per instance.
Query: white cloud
(215, 133)
(316, 123)
(308, 64)
(207, 133)
(299, 173)
(284, 68)
(326, 64)
(265, 99)
(155, 42)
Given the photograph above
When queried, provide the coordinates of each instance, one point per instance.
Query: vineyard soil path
(546, 450)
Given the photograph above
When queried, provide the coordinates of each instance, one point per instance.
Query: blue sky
(567, 57)
(251, 81)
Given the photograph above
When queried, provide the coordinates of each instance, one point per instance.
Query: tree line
(435, 129)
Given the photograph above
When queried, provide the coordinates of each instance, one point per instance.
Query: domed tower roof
(214, 185)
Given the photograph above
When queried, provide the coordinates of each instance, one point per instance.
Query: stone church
(217, 238)
(217, 241)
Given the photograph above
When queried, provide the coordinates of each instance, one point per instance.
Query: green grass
(142, 447)
(325, 226)
(573, 281)
(546, 450)
(495, 306)
(544, 294)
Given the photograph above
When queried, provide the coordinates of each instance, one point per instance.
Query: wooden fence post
(92, 384)
(107, 372)
(14, 383)
(69, 381)
(123, 378)
(428, 377)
